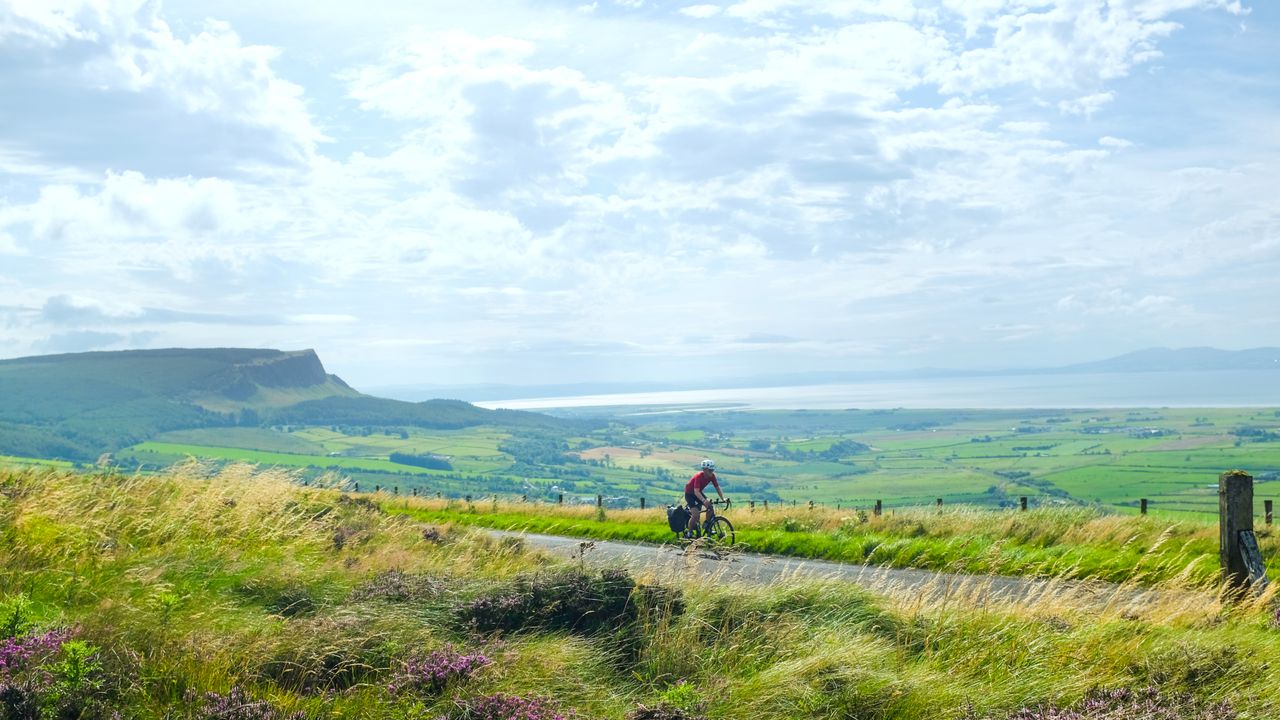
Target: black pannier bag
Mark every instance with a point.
(677, 518)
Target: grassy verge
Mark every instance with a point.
(1062, 543)
(203, 594)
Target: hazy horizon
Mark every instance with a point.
(532, 192)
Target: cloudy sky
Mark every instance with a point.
(535, 191)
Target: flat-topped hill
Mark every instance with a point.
(77, 406)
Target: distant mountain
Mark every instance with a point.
(80, 405)
(1149, 360)
(1184, 359)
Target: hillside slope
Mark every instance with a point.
(77, 406)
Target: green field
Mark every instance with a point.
(848, 458)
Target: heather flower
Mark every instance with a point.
(17, 654)
(238, 705)
(1126, 704)
(433, 673)
(398, 586)
(510, 707)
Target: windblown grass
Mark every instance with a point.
(1073, 543)
(241, 584)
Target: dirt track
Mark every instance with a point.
(669, 562)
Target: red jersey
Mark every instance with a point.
(701, 481)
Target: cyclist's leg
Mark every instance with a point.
(691, 501)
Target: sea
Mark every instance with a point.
(1205, 388)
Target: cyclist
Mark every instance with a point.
(696, 499)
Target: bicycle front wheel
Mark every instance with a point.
(720, 530)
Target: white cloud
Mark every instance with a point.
(9, 245)
(1117, 301)
(701, 11)
(128, 47)
(1086, 105)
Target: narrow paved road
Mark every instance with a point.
(669, 562)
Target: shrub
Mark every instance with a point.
(433, 673)
(678, 702)
(50, 675)
(1127, 704)
(235, 705)
(397, 586)
(576, 601)
(19, 700)
(19, 653)
(509, 707)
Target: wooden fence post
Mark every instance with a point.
(415, 492)
(641, 503)
(357, 487)
(939, 502)
(468, 498)
(1142, 506)
(599, 501)
(752, 504)
(439, 495)
(1022, 503)
(766, 504)
(1266, 504)
(879, 508)
(1238, 547)
(395, 490)
(377, 488)
(810, 504)
(560, 500)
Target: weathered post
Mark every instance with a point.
(1238, 547)
(766, 504)
(357, 487)
(599, 501)
(752, 505)
(305, 482)
(939, 502)
(810, 504)
(642, 503)
(395, 490)
(879, 508)
(1142, 506)
(560, 500)
(377, 488)
(1022, 503)
(524, 498)
(468, 498)
(415, 492)
(1266, 505)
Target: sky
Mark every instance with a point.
(534, 192)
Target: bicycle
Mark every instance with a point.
(719, 529)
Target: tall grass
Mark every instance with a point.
(1077, 543)
(240, 584)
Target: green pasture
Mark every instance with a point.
(11, 461)
(248, 438)
(1082, 457)
(273, 459)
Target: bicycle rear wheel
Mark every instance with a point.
(720, 530)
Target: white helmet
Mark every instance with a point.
(709, 465)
